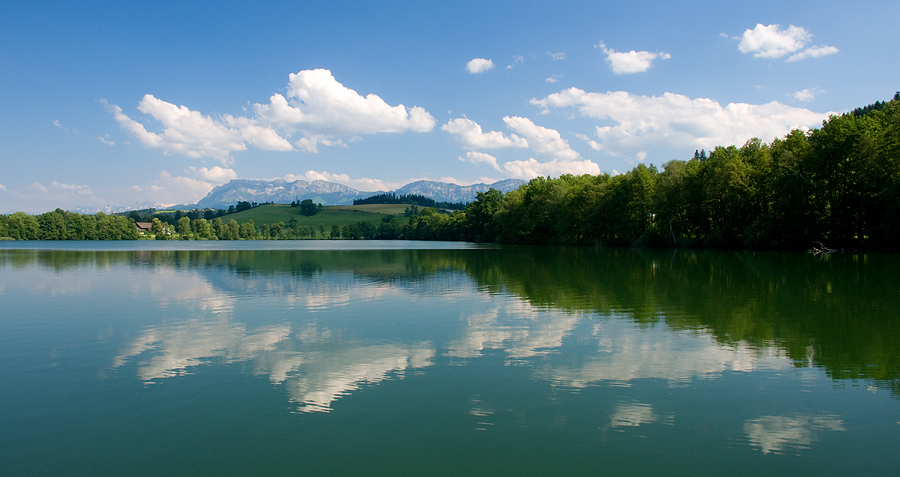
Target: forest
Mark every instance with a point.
(835, 187)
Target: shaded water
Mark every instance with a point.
(394, 358)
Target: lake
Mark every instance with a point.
(393, 358)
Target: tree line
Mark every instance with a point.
(64, 225)
(218, 229)
(411, 199)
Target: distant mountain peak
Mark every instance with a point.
(281, 191)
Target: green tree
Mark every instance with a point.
(202, 229)
(480, 216)
(247, 230)
(308, 208)
(184, 228)
(21, 226)
(52, 225)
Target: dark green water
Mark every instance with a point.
(451, 361)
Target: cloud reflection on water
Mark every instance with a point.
(776, 433)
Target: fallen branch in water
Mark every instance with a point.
(820, 248)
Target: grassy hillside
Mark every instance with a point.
(339, 215)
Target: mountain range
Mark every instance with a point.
(280, 191)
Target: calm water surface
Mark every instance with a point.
(409, 358)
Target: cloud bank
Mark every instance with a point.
(771, 41)
(640, 123)
(542, 141)
(316, 109)
(628, 62)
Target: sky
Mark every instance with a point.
(132, 104)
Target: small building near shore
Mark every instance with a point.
(143, 227)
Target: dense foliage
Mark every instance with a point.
(63, 225)
(838, 185)
(411, 199)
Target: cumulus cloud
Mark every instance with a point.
(470, 135)
(676, 121)
(316, 107)
(771, 41)
(627, 62)
(808, 94)
(184, 131)
(476, 157)
(215, 175)
(532, 168)
(813, 52)
(479, 65)
(544, 141)
(552, 79)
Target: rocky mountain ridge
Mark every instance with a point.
(280, 191)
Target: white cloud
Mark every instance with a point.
(542, 140)
(557, 56)
(471, 136)
(78, 189)
(626, 62)
(106, 140)
(813, 52)
(590, 142)
(532, 168)
(676, 121)
(479, 157)
(184, 131)
(770, 41)
(552, 79)
(214, 175)
(317, 104)
(310, 143)
(479, 65)
(2, 187)
(258, 134)
(39, 187)
(808, 94)
(317, 107)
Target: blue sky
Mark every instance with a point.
(133, 103)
